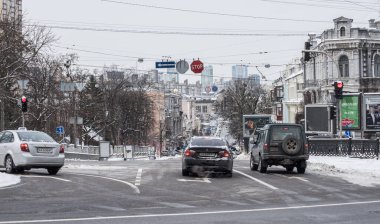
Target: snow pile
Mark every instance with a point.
(7, 179)
(242, 156)
(364, 172)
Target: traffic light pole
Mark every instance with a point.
(23, 119)
(340, 117)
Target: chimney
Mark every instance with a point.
(372, 23)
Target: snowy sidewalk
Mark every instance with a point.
(7, 180)
(364, 172)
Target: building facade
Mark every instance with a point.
(292, 102)
(239, 72)
(11, 10)
(344, 53)
(207, 76)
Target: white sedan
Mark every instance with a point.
(22, 150)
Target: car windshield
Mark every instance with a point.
(281, 132)
(207, 142)
(35, 137)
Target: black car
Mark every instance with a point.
(207, 154)
(279, 145)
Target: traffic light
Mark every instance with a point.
(338, 89)
(332, 112)
(24, 104)
(306, 56)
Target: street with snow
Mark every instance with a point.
(333, 189)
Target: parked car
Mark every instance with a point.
(279, 145)
(22, 150)
(164, 153)
(207, 154)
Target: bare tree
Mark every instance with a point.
(19, 47)
(239, 98)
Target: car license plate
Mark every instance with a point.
(207, 154)
(44, 150)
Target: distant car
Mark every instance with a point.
(22, 150)
(279, 145)
(164, 153)
(207, 154)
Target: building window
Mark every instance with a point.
(343, 66)
(377, 65)
(204, 109)
(342, 32)
(198, 109)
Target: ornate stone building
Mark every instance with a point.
(344, 53)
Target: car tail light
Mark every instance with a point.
(24, 147)
(62, 149)
(224, 153)
(189, 153)
(306, 147)
(265, 147)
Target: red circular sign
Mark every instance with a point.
(197, 66)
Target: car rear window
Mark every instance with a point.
(35, 137)
(281, 132)
(207, 142)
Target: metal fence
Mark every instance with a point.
(117, 151)
(362, 148)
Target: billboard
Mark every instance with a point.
(253, 122)
(371, 112)
(317, 118)
(350, 108)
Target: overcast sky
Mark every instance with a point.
(279, 27)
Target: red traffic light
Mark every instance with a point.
(339, 85)
(23, 99)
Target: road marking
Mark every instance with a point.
(115, 209)
(298, 178)
(200, 180)
(176, 205)
(193, 213)
(257, 180)
(136, 189)
(56, 178)
(138, 177)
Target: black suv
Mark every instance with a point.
(279, 145)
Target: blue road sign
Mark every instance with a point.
(214, 88)
(165, 64)
(59, 130)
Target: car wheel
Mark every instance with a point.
(289, 169)
(9, 165)
(262, 165)
(301, 167)
(291, 145)
(229, 173)
(185, 172)
(252, 164)
(53, 170)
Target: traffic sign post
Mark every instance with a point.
(165, 64)
(197, 66)
(59, 130)
(182, 66)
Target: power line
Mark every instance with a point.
(354, 3)
(171, 32)
(332, 5)
(215, 13)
